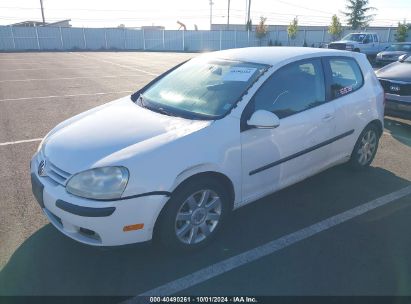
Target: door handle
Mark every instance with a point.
(328, 117)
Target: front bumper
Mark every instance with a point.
(397, 105)
(98, 223)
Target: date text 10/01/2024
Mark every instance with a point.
(203, 300)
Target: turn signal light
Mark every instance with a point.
(133, 227)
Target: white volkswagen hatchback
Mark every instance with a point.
(211, 135)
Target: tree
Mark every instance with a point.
(335, 28)
(356, 13)
(402, 32)
(292, 28)
(261, 29)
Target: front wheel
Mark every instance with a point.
(194, 215)
(365, 148)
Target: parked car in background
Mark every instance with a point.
(211, 135)
(393, 52)
(395, 78)
(367, 43)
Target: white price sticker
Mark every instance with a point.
(239, 74)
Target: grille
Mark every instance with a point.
(337, 46)
(53, 172)
(397, 88)
(56, 174)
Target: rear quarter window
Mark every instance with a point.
(346, 77)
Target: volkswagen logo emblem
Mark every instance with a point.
(395, 88)
(42, 168)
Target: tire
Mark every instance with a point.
(193, 216)
(357, 50)
(365, 148)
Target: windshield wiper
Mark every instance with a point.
(162, 111)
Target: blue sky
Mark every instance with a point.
(134, 13)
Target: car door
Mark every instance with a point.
(368, 45)
(344, 82)
(274, 158)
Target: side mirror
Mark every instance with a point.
(402, 57)
(263, 119)
(365, 41)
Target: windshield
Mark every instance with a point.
(202, 89)
(399, 47)
(354, 37)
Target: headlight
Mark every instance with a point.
(99, 183)
(349, 47)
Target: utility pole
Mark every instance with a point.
(228, 15)
(211, 13)
(42, 12)
(249, 7)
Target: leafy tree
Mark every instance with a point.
(357, 13)
(402, 32)
(261, 29)
(335, 28)
(292, 28)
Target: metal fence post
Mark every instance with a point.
(248, 37)
(277, 34)
(323, 39)
(12, 37)
(164, 42)
(144, 40)
(84, 38)
(125, 38)
(37, 36)
(221, 37)
(389, 35)
(184, 42)
(61, 38)
(235, 39)
(105, 38)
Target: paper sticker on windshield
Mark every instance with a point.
(239, 74)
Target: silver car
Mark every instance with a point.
(393, 52)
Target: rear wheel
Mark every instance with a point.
(194, 215)
(365, 148)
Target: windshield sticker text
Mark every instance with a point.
(239, 74)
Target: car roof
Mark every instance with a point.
(274, 55)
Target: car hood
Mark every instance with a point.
(85, 141)
(399, 71)
(393, 53)
(343, 41)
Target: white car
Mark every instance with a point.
(211, 135)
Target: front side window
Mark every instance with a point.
(368, 39)
(346, 76)
(292, 89)
(201, 88)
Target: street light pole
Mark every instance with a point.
(42, 12)
(211, 13)
(249, 7)
(228, 16)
